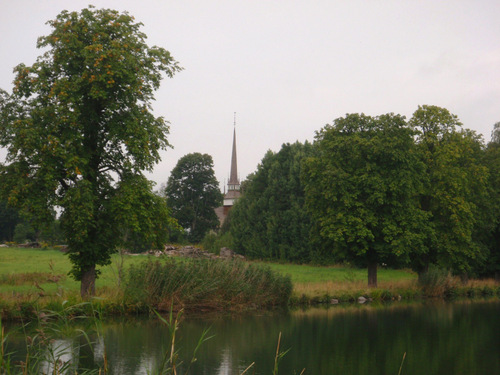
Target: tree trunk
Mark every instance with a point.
(372, 274)
(87, 286)
(422, 271)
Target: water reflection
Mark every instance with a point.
(61, 357)
(438, 338)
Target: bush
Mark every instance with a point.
(24, 232)
(210, 284)
(213, 242)
(436, 282)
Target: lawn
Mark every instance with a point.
(45, 271)
(302, 274)
(41, 276)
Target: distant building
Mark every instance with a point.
(233, 185)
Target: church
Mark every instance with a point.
(233, 185)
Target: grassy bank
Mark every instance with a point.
(32, 279)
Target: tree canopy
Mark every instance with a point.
(193, 193)
(79, 131)
(455, 187)
(361, 186)
(269, 221)
(491, 231)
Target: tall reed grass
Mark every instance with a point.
(205, 284)
(49, 344)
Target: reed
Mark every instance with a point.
(46, 348)
(205, 284)
(47, 352)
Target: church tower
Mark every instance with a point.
(233, 185)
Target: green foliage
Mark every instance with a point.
(205, 284)
(361, 186)
(193, 193)
(435, 281)
(24, 232)
(144, 218)
(454, 193)
(9, 219)
(78, 127)
(491, 229)
(213, 242)
(269, 221)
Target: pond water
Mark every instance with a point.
(433, 338)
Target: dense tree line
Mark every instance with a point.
(269, 221)
(373, 190)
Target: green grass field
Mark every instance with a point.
(19, 269)
(41, 274)
(28, 270)
(301, 274)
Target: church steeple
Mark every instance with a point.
(233, 185)
(234, 182)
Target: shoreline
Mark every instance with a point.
(26, 308)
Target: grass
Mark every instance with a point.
(51, 264)
(29, 276)
(47, 269)
(303, 274)
(205, 284)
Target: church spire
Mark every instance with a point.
(233, 177)
(233, 185)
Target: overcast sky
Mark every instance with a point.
(289, 67)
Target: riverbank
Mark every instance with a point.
(34, 280)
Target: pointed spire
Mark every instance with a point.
(233, 177)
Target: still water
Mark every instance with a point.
(434, 338)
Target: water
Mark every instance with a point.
(438, 338)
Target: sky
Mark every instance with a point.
(289, 67)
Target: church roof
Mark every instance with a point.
(232, 194)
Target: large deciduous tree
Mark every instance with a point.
(361, 187)
(454, 190)
(193, 193)
(270, 221)
(79, 131)
(491, 266)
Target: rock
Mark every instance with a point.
(362, 299)
(334, 301)
(226, 253)
(32, 245)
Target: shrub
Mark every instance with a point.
(213, 242)
(436, 282)
(24, 232)
(205, 284)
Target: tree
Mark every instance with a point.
(495, 134)
(455, 181)
(193, 194)
(492, 160)
(270, 221)
(9, 219)
(361, 187)
(79, 129)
